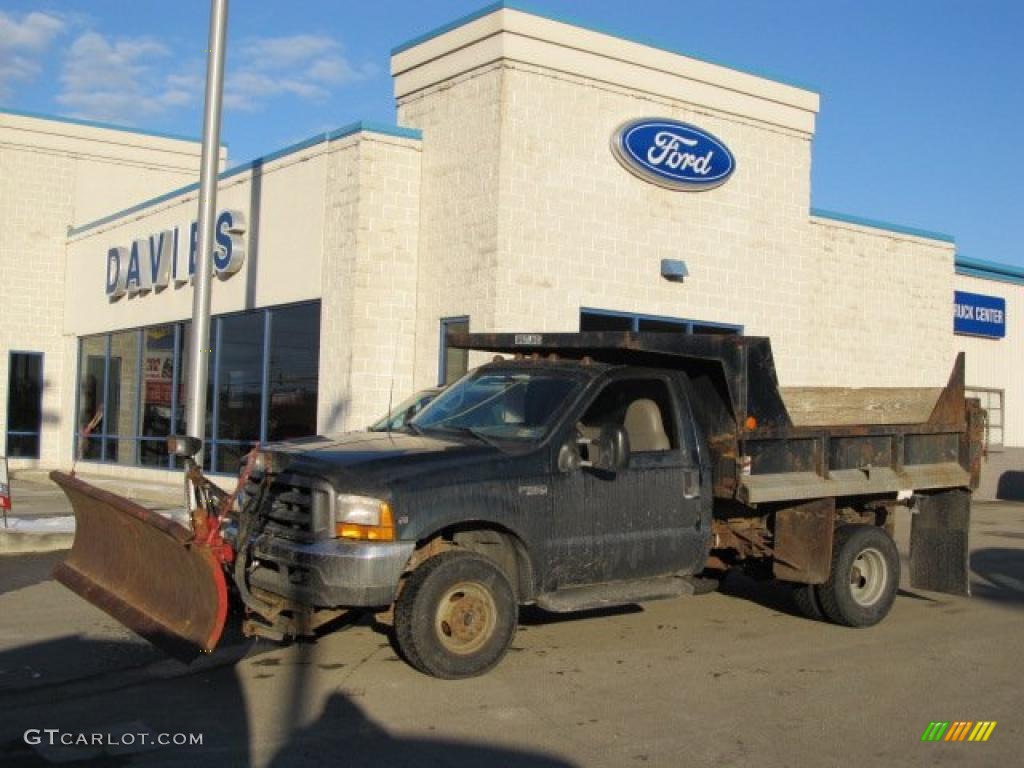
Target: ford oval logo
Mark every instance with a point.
(672, 154)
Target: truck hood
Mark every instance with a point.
(373, 461)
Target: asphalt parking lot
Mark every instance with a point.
(731, 678)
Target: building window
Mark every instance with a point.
(453, 363)
(262, 385)
(610, 320)
(992, 402)
(24, 404)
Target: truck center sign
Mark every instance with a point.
(975, 314)
(154, 262)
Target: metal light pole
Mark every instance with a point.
(198, 353)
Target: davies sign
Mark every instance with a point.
(161, 259)
(672, 154)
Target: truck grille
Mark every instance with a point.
(299, 509)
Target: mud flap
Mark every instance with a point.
(143, 570)
(938, 542)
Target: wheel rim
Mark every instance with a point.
(868, 577)
(466, 617)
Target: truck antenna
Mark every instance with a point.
(391, 390)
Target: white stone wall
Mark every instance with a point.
(371, 234)
(458, 241)
(880, 310)
(528, 217)
(999, 363)
(54, 174)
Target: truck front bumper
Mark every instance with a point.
(329, 573)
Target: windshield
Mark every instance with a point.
(518, 405)
(404, 411)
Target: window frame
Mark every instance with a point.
(971, 391)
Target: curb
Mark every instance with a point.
(24, 542)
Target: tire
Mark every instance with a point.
(806, 598)
(451, 591)
(865, 575)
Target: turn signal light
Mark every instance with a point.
(383, 531)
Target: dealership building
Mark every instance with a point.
(541, 177)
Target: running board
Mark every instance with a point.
(617, 593)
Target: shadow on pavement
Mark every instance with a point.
(1011, 486)
(129, 688)
(768, 594)
(1001, 574)
(20, 571)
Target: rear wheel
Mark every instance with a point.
(456, 615)
(806, 598)
(865, 574)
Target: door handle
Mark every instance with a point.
(691, 484)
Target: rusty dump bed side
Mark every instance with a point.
(905, 440)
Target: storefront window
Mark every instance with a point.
(294, 363)
(122, 394)
(135, 384)
(239, 380)
(24, 404)
(156, 394)
(92, 384)
(609, 320)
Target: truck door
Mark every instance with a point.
(641, 521)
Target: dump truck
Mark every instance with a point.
(574, 471)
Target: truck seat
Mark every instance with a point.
(644, 426)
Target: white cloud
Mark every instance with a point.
(121, 79)
(127, 80)
(23, 43)
(303, 66)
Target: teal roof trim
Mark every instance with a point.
(989, 270)
(876, 224)
(361, 126)
(533, 10)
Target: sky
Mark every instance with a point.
(921, 100)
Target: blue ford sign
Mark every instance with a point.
(672, 154)
(976, 314)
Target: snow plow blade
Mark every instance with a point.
(143, 570)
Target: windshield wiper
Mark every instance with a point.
(474, 431)
(416, 429)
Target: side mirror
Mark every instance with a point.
(184, 446)
(569, 459)
(611, 450)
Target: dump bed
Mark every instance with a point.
(768, 444)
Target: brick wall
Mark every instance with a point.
(527, 217)
(371, 234)
(35, 207)
(52, 174)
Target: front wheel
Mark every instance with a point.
(456, 615)
(865, 575)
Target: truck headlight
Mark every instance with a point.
(363, 518)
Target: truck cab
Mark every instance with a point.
(584, 483)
